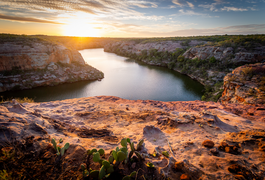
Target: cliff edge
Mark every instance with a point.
(245, 85)
(27, 62)
(207, 61)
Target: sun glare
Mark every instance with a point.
(80, 28)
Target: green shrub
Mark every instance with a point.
(4, 175)
(212, 60)
(60, 151)
(119, 155)
(185, 43)
(19, 100)
(181, 59)
(171, 65)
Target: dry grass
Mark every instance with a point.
(20, 100)
(247, 71)
(232, 78)
(262, 84)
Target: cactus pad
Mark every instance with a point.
(96, 157)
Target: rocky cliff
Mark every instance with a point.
(35, 55)
(30, 62)
(133, 47)
(204, 61)
(242, 56)
(245, 85)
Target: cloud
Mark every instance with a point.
(139, 17)
(178, 2)
(26, 19)
(190, 5)
(231, 30)
(191, 13)
(172, 7)
(252, 2)
(143, 4)
(182, 3)
(57, 9)
(56, 5)
(233, 9)
(253, 9)
(212, 6)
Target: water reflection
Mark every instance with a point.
(123, 78)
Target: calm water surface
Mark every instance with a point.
(123, 78)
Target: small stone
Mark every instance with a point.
(214, 151)
(179, 165)
(47, 155)
(245, 152)
(217, 128)
(239, 177)
(234, 168)
(262, 148)
(133, 165)
(223, 144)
(182, 150)
(208, 143)
(184, 177)
(7, 149)
(227, 149)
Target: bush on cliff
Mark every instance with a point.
(171, 65)
(212, 60)
(181, 59)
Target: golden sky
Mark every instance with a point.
(132, 18)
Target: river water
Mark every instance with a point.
(123, 78)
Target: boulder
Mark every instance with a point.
(208, 143)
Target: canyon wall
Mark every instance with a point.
(35, 55)
(206, 62)
(31, 63)
(245, 85)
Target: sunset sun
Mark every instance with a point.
(78, 27)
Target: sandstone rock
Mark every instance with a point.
(56, 75)
(239, 177)
(208, 143)
(133, 47)
(245, 85)
(52, 66)
(232, 149)
(88, 112)
(15, 57)
(47, 155)
(214, 151)
(184, 177)
(38, 55)
(75, 152)
(262, 148)
(179, 165)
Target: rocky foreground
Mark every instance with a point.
(204, 140)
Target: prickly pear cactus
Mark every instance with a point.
(101, 152)
(96, 157)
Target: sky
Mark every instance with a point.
(132, 18)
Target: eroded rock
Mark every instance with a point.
(208, 143)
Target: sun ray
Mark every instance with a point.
(79, 26)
